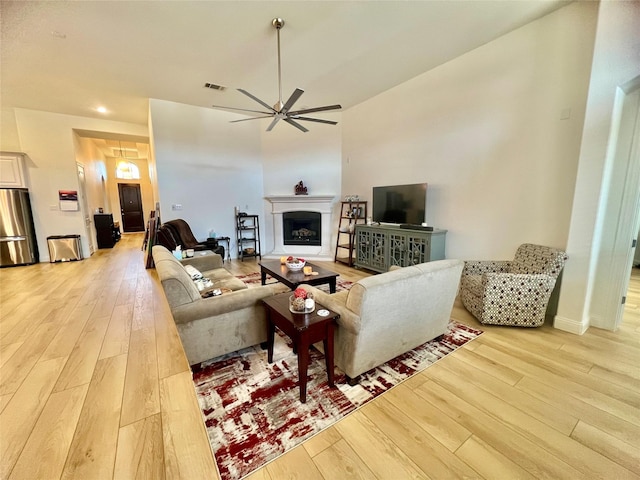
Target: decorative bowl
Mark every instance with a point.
(304, 308)
(295, 266)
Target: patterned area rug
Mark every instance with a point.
(253, 279)
(252, 409)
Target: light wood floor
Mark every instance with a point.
(94, 385)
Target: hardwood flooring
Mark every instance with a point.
(94, 384)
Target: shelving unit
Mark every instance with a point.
(351, 213)
(248, 236)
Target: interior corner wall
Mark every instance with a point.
(290, 156)
(48, 141)
(615, 62)
(9, 139)
(206, 166)
(153, 170)
(495, 133)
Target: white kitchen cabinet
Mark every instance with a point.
(12, 173)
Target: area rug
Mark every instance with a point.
(252, 409)
(253, 279)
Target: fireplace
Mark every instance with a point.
(302, 228)
(322, 248)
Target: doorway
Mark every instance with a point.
(131, 207)
(620, 210)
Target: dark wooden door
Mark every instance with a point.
(131, 207)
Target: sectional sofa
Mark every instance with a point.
(210, 327)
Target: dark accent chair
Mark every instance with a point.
(177, 232)
(183, 235)
(165, 238)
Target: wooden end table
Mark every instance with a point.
(304, 329)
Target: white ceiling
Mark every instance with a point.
(73, 56)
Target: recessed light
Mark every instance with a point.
(101, 109)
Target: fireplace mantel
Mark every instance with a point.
(285, 203)
(292, 203)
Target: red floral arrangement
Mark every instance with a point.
(300, 293)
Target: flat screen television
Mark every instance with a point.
(399, 204)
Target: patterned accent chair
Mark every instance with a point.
(514, 292)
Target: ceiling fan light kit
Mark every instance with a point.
(282, 110)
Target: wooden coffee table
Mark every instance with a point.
(294, 278)
(304, 329)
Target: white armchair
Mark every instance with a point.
(514, 292)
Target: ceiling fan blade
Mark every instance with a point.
(276, 119)
(316, 109)
(256, 99)
(292, 99)
(250, 118)
(295, 124)
(308, 119)
(241, 109)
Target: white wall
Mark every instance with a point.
(207, 165)
(94, 163)
(486, 132)
(616, 61)
(48, 140)
(210, 166)
(290, 156)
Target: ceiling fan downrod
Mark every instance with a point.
(278, 23)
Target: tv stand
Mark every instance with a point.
(379, 247)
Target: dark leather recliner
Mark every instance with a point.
(165, 237)
(177, 232)
(183, 235)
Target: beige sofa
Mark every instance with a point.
(385, 315)
(210, 327)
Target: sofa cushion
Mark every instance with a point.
(193, 272)
(222, 278)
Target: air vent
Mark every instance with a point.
(213, 86)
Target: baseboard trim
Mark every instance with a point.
(569, 325)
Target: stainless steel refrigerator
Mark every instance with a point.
(18, 245)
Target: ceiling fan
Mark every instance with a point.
(282, 111)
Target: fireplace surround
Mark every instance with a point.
(318, 204)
